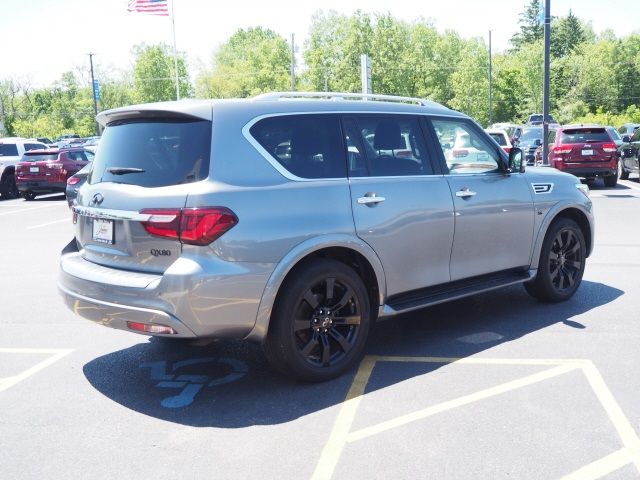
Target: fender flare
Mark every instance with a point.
(551, 215)
(298, 253)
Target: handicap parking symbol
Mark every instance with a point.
(191, 385)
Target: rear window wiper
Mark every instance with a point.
(124, 170)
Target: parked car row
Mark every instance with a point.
(587, 151)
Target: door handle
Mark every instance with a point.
(465, 193)
(370, 199)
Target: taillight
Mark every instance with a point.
(72, 180)
(609, 147)
(193, 226)
(507, 149)
(562, 150)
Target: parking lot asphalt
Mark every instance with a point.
(492, 386)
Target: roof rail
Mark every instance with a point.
(342, 96)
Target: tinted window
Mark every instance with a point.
(552, 136)
(39, 158)
(614, 134)
(584, 135)
(34, 146)
(8, 150)
(636, 136)
(391, 146)
(465, 150)
(499, 138)
(168, 152)
(308, 146)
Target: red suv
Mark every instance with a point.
(46, 171)
(585, 151)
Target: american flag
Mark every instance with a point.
(149, 7)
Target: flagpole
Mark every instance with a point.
(175, 51)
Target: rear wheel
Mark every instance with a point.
(29, 196)
(320, 322)
(8, 187)
(612, 180)
(562, 262)
(622, 173)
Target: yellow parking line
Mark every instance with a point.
(56, 354)
(341, 434)
(458, 402)
(602, 467)
(333, 448)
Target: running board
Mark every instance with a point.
(425, 297)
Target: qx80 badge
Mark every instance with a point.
(160, 253)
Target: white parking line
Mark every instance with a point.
(22, 210)
(49, 223)
(56, 354)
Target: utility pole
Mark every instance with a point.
(490, 85)
(545, 101)
(293, 64)
(93, 87)
(365, 73)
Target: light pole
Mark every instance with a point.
(545, 91)
(93, 87)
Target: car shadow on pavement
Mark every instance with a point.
(228, 384)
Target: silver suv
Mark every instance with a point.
(296, 220)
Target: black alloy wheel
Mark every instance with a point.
(9, 188)
(320, 322)
(562, 262)
(29, 196)
(622, 172)
(327, 322)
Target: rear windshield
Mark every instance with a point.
(8, 150)
(584, 135)
(535, 118)
(153, 153)
(39, 158)
(499, 138)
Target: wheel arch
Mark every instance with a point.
(578, 214)
(349, 250)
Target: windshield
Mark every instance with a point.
(153, 153)
(40, 157)
(585, 135)
(499, 138)
(530, 135)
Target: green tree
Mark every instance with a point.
(252, 61)
(531, 30)
(154, 77)
(567, 36)
(470, 82)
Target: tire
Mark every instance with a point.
(612, 180)
(29, 196)
(320, 322)
(8, 187)
(562, 262)
(622, 173)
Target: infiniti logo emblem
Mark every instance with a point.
(97, 199)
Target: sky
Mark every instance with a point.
(41, 39)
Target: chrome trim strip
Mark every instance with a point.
(109, 214)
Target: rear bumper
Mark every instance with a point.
(197, 296)
(40, 186)
(584, 171)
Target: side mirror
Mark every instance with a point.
(626, 138)
(516, 160)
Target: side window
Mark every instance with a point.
(552, 136)
(88, 155)
(308, 146)
(636, 136)
(465, 150)
(392, 144)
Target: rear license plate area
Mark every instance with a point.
(103, 231)
(587, 151)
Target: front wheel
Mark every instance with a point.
(320, 322)
(562, 262)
